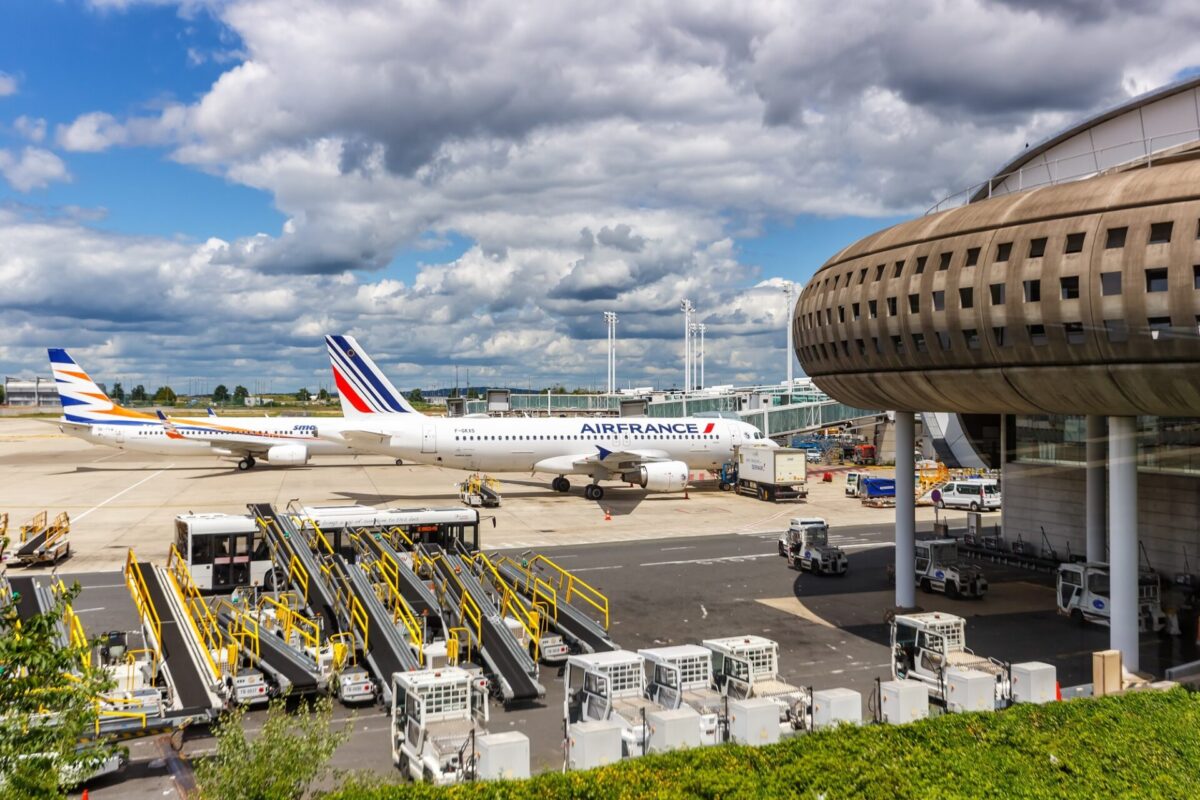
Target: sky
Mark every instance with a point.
(194, 192)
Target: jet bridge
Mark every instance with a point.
(506, 659)
(556, 591)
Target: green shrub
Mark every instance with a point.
(1144, 745)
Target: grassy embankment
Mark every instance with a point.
(1143, 745)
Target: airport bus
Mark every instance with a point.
(225, 551)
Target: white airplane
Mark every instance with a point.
(89, 414)
(654, 453)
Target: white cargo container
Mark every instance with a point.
(772, 473)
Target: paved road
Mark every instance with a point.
(681, 590)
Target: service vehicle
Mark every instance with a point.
(611, 686)
(748, 666)
(938, 569)
(1083, 595)
(852, 481)
(436, 717)
(797, 522)
(772, 473)
(877, 491)
(681, 675)
(809, 549)
(976, 494)
(864, 454)
(926, 646)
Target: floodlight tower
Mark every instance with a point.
(789, 289)
(701, 327)
(687, 308)
(610, 318)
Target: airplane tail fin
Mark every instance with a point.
(362, 387)
(82, 400)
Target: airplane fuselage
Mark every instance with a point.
(547, 445)
(201, 436)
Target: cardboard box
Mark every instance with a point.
(1106, 672)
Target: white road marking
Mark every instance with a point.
(123, 491)
(665, 549)
(703, 612)
(596, 569)
(710, 560)
(86, 610)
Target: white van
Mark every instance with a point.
(977, 494)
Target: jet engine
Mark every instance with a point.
(659, 476)
(288, 455)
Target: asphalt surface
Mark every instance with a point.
(831, 631)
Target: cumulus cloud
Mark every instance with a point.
(8, 84)
(32, 128)
(595, 156)
(32, 168)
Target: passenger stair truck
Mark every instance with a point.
(439, 734)
(747, 667)
(772, 473)
(1083, 595)
(465, 600)
(43, 543)
(938, 569)
(808, 548)
(611, 687)
(577, 610)
(309, 579)
(681, 677)
(931, 648)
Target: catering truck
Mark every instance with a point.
(772, 473)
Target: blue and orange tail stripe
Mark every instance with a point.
(84, 401)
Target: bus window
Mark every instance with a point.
(181, 538)
(262, 551)
(202, 550)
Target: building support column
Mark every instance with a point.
(1095, 455)
(1123, 545)
(906, 510)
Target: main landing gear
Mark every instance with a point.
(593, 492)
(246, 463)
(560, 484)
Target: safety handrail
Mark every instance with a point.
(343, 650)
(542, 593)
(34, 526)
(243, 628)
(318, 535)
(59, 528)
(291, 621)
(455, 638)
(574, 586)
(468, 609)
(204, 624)
(103, 714)
(136, 582)
(387, 570)
(529, 618)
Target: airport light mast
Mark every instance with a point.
(610, 318)
(701, 327)
(687, 308)
(789, 289)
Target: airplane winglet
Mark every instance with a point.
(168, 426)
(211, 413)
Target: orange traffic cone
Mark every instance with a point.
(607, 515)
(1057, 690)
(84, 796)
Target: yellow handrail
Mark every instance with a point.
(574, 586)
(104, 714)
(455, 638)
(292, 621)
(390, 581)
(539, 590)
(141, 599)
(468, 609)
(34, 526)
(200, 616)
(510, 605)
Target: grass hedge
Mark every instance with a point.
(1143, 745)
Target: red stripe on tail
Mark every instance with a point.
(345, 391)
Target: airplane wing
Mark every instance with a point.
(604, 460)
(363, 438)
(228, 442)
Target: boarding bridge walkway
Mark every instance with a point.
(572, 623)
(167, 626)
(295, 556)
(385, 648)
(514, 669)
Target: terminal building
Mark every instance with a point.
(35, 392)
(1056, 311)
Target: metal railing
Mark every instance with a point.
(510, 606)
(571, 586)
(136, 582)
(203, 622)
(1056, 171)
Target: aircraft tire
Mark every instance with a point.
(245, 464)
(593, 492)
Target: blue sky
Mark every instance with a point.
(474, 184)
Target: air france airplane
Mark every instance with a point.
(89, 414)
(654, 453)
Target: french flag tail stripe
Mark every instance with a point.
(347, 392)
(365, 368)
(341, 366)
